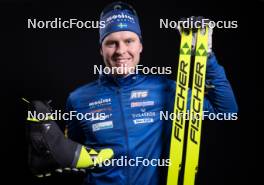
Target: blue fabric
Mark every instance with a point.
(147, 139)
(119, 20)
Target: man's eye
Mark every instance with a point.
(110, 44)
(129, 41)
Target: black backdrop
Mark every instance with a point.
(49, 64)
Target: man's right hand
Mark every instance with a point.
(49, 149)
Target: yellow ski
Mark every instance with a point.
(196, 108)
(180, 107)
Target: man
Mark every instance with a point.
(131, 104)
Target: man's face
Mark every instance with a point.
(121, 50)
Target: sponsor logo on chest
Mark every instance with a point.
(143, 114)
(143, 120)
(139, 94)
(101, 102)
(142, 104)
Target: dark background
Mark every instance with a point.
(49, 64)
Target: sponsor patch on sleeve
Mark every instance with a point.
(102, 125)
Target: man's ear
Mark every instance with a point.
(141, 48)
(101, 51)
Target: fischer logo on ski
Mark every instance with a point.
(196, 108)
(180, 108)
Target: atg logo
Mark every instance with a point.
(139, 94)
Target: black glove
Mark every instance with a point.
(49, 149)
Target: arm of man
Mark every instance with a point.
(220, 97)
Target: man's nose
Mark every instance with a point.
(121, 49)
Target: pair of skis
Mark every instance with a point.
(180, 108)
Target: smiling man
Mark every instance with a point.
(121, 52)
(131, 104)
(120, 39)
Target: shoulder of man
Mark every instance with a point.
(162, 80)
(87, 89)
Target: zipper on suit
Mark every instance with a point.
(125, 128)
